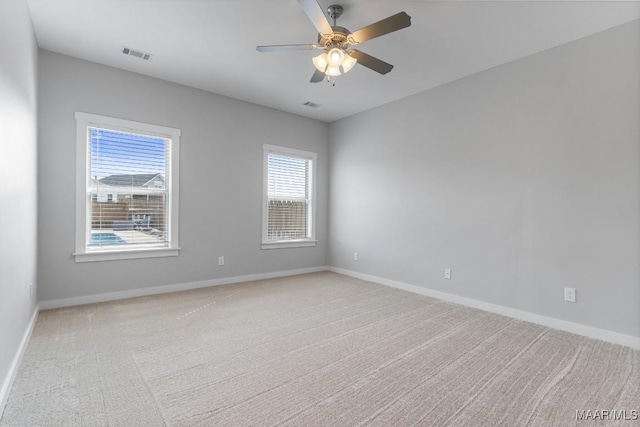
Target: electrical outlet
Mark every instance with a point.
(447, 273)
(220, 260)
(356, 256)
(570, 294)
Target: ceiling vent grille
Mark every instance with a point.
(136, 53)
(311, 104)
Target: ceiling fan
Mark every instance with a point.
(338, 57)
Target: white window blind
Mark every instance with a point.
(289, 195)
(127, 167)
(128, 202)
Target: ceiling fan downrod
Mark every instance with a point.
(334, 11)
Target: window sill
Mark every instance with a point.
(113, 255)
(289, 244)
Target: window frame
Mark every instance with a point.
(291, 152)
(83, 253)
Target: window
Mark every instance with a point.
(127, 189)
(288, 198)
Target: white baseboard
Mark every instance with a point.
(13, 369)
(563, 325)
(576, 328)
(133, 293)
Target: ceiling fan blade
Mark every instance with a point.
(317, 77)
(388, 25)
(371, 62)
(285, 47)
(316, 15)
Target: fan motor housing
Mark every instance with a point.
(339, 38)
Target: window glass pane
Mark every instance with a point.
(127, 188)
(288, 197)
(287, 177)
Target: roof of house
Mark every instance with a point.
(137, 180)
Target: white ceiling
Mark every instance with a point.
(210, 44)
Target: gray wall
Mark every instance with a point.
(220, 178)
(18, 162)
(522, 179)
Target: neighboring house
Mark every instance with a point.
(116, 187)
(128, 201)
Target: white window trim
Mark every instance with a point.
(82, 253)
(299, 243)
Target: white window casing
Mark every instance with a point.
(120, 212)
(289, 208)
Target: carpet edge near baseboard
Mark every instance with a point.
(551, 322)
(7, 382)
(156, 290)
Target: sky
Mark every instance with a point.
(115, 153)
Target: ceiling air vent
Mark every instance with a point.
(136, 53)
(311, 104)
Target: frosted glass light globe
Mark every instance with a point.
(348, 63)
(335, 57)
(333, 71)
(321, 62)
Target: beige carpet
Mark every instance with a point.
(318, 349)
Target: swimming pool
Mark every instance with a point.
(102, 239)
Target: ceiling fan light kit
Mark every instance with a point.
(331, 62)
(336, 42)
